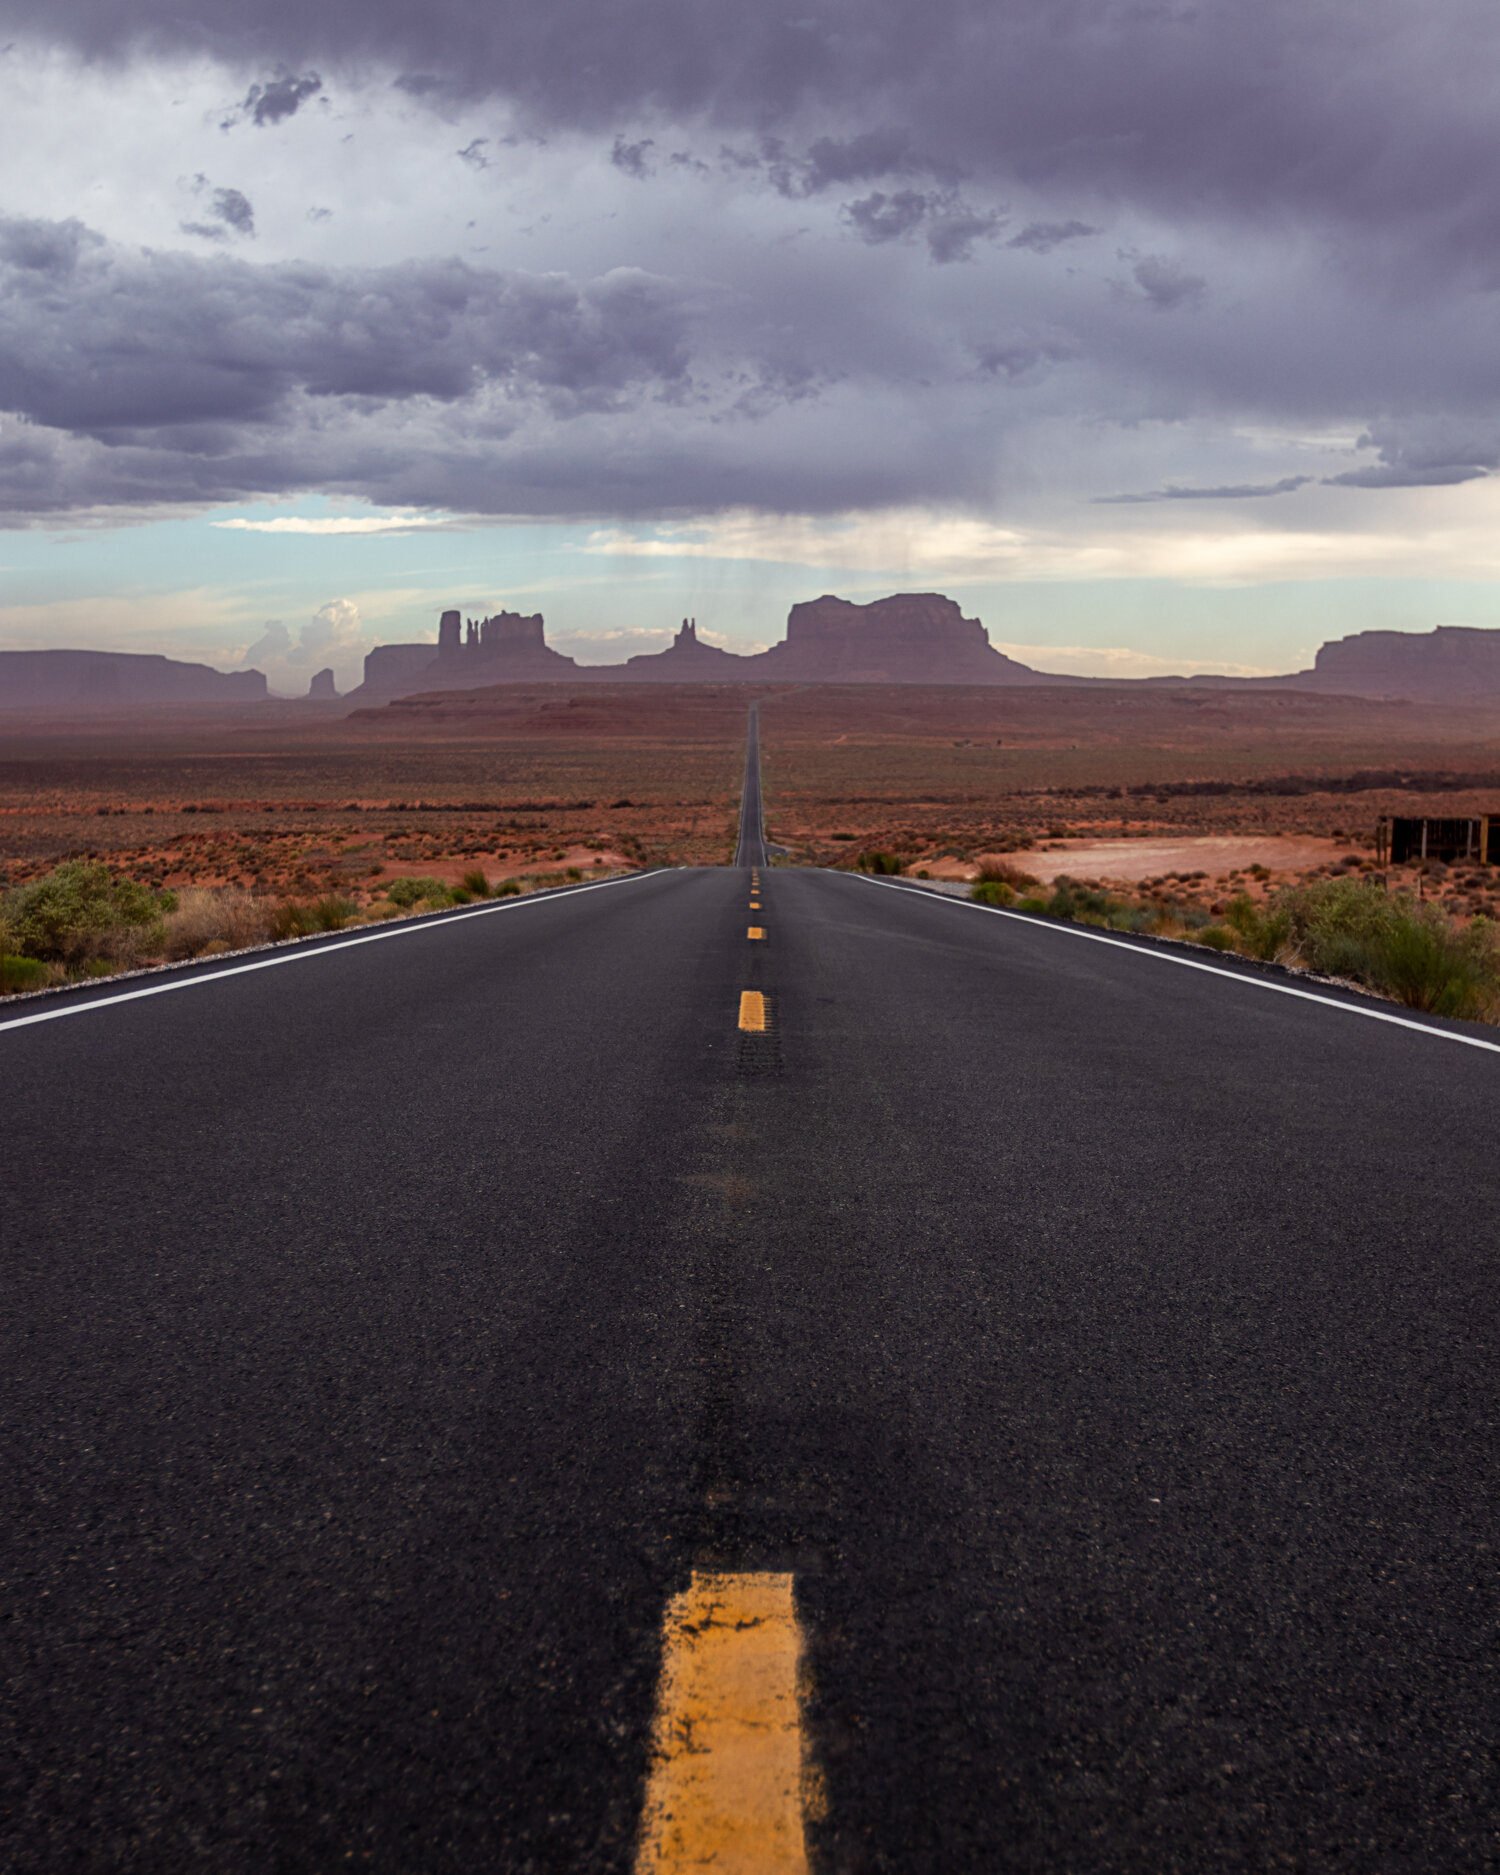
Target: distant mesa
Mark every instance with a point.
(322, 689)
(1451, 664)
(910, 638)
(102, 680)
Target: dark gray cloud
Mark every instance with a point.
(1440, 475)
(633, 157)
(949, 226)
(230, 213)
(1230, 491)
(279, 97)
(1167, 284)
(1042, 236)
(136, 342)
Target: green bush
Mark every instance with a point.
(1352, 928)
(1217, 937)
(508, 888)
(81, 911)
(1263, 932)
(884, 863)
(993, 892)
(411, 892)
(475, 884)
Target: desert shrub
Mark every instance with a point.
(324, 914)
(1079, 904)
(331, 913)
(1350, 928)
(574, 874)
(410, 892)
(475, 884)
(80, 911)
(203, 921)
(458, 896)
(1001, 872)
(508, 888)
(1263, 932)
(992, 892)
(884, 863)
(24, 973)
(1217, 937)
(1035, 904)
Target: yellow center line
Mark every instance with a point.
(754, 1014)
(756, 931)
(728, 1772)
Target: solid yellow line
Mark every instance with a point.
(756, 931)
(753, 1011)
(727, 1776)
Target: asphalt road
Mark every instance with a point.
(1109, 1348)
(751, 847)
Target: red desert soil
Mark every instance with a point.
(526, 779)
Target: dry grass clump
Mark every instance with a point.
(211, 922)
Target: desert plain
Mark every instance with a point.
(539, 783)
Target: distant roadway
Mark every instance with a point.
(1106, 1350)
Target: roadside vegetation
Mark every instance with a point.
(82, 920)
(1351, 929)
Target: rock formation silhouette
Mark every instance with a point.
(910, 638)
(103, 680)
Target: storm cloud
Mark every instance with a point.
(857, 252)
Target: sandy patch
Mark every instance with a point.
(1131, 861)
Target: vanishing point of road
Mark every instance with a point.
(433, 1356)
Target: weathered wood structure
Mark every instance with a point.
(1407, 841)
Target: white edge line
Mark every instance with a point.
(1187, 963)
(297, 955)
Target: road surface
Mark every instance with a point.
(1107, 1349)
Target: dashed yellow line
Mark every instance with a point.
(754, 1013)
(726, 1790)
(756, 931)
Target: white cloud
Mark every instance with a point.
(336, 524)
(1425, 533)
(334, 636)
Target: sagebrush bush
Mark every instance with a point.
(884, 863)
(992, 892)
(475, 884)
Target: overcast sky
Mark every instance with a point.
(1162, 336)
